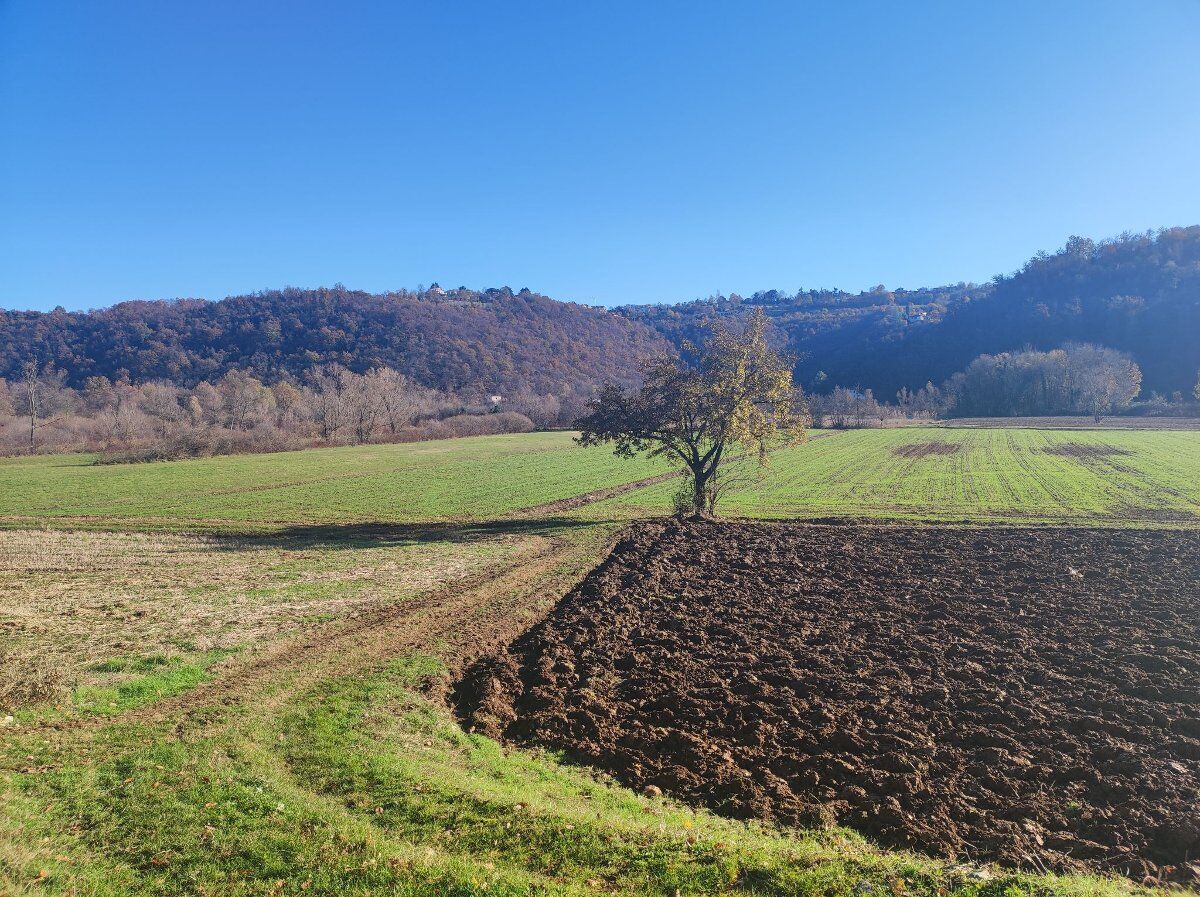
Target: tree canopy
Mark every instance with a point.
(731, 393)
(1074, 379)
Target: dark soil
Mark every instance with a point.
(1030, 696)
(1085, 450)
(925, 449)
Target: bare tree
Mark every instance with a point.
(245, 400)
(841, 406)
(289, 405)
(1102, 378)
(328, 399)
(112, 404)
(41, 396)
(207, 404)
(160, 402)
(6, 399)
(364, 406)
(400, 400)
(543, 410)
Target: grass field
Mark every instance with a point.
(163, 603)
(987, 475)
(478, 479)
(1011, 475)
(224, 674)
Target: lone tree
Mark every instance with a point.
(733, 392)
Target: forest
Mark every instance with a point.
(125, 422)
(460, 340)
(1137, 293)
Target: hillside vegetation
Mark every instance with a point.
(1137, 293)
(456, 341)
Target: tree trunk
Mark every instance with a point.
(33, 416)
(701, 507)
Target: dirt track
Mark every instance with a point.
(1023, 695)
(459, 622)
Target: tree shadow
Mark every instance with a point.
(349, 536)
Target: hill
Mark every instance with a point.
(1138, 293)
(454, 341)
(829, 331)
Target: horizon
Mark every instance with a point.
(627, 157)
(423, 288)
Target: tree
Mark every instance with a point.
(328, 399)
(399, 399)
(6, 399)
(1104, 378)
(1076, 379)
(364, 406)
(110, 403)
(206, 404)
(1196, 388)
(734, 391)
(289, 405)
(40, 396)
(160, 402)
(246, 401)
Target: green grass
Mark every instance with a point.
(145, 680)
(362, 786)
(997, 476)
(455, 479)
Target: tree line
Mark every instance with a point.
(124, 421)
(331, 405)
(1136, 293)
(1075, 379)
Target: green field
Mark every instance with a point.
(477, 479)
(995, 476)
(224, 673)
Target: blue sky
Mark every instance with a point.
(607, 152)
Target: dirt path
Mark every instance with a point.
(459, 622)
(597, 495)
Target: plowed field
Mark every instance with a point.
(1023, 695)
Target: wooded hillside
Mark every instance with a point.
(1136, 293)
(453, 341)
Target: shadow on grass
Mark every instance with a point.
(390, 535)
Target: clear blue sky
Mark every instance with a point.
(603, 152)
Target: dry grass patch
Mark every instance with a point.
(1086, 450)
(926, 449)
(81, 608)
